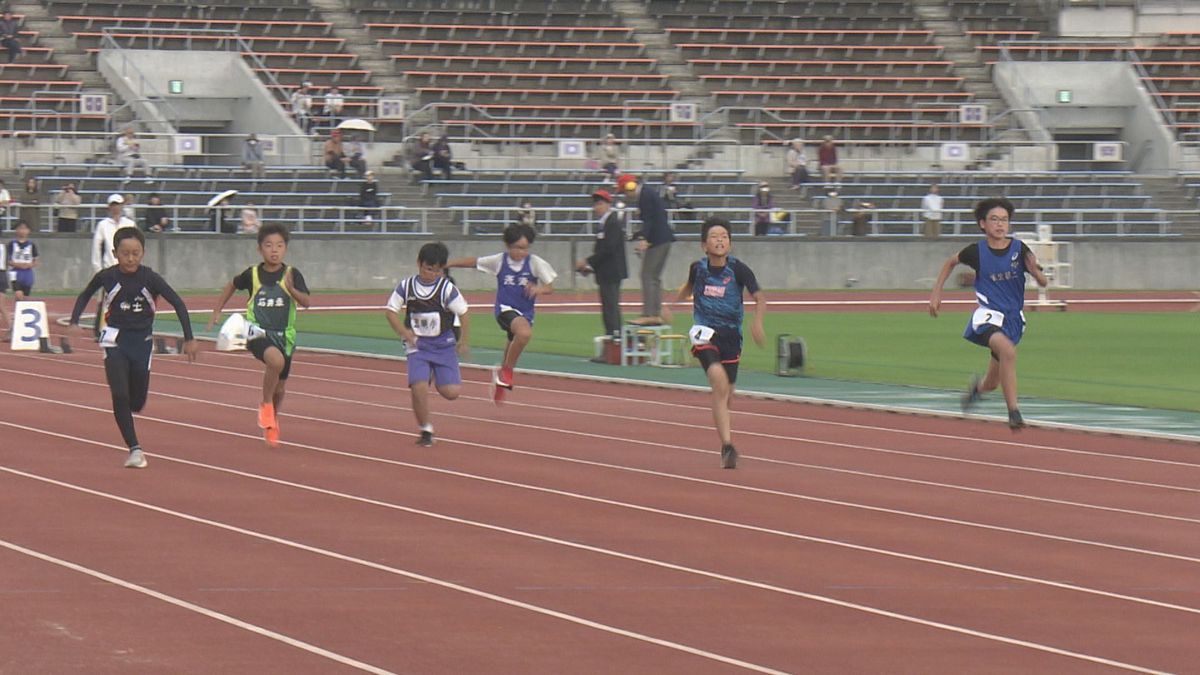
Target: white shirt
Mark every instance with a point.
(102, 242)
(541, 269)
(931, 206)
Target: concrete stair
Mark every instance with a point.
(1168, 193)
(647, 30)
(347, 26)
(80, 66)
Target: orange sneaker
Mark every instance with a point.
(271, 436)
(266, 416)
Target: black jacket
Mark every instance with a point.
(608, 257)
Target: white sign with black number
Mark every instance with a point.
(984, 316)
(700, 335)
(29, 325)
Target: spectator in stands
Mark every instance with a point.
(861, 215)
(103, 255)
(357, 153)
(252, 156)
(129, 155)
(931, 211)
(334, 104)
(527, 216)
(607, 261)
(5, 204)
(442, 156)
(610, 155)
(301, 102)
(797, 164)
(764, 204)
(10, 30)
(827, 158)
(156, 218)
(67, 202)
(130, 209)
(249, 219)
(368, 197)
(654, 243)
(31, 201)
(335, 156)
(420, 156)
(833, 204)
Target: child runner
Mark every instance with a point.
(130, 292)
(716, 283)
(274, 289)
(520, 278)
(430, 303)
(1000, 263)
(22, 256)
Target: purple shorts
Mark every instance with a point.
(440, 363)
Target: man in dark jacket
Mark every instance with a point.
(607, 260)
(10, 29)
(654, 244)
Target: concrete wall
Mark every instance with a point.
(333, 262)
(1151, 18)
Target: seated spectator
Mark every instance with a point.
(827, 158)
(833, 204)
(334, 104)
(249, 219)
(156, 218)
(420, 156)
(610, 156)
(860, 218)
(764, 205)
(357, 158)
(301, 102)
(129, 155)
(335, 157)
(442, 156)
(10, 30)
(527, 216)
(368, 197)
(797, 164)
(252, 156)
(67, 203)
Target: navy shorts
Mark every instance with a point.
(1014, 328)
(725, 348)
(137, 348)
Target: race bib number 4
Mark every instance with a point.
(427, 324)
(700, 335)
(984, 316)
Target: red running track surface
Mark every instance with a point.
(581, 527)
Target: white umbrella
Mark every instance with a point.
(216, 201)
(356, 124)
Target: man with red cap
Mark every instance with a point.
(607, 260)
(654, 243)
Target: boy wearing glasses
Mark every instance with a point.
(1000, 264)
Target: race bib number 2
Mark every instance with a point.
(984, 316)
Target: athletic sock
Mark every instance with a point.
(427, 427)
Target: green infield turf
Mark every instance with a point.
(1141, 359)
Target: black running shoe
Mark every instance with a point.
(729, 456)
(973, 395)
(426, 439)
(1015, 421)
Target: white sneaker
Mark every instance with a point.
(136, 459)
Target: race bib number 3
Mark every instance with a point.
(700, 335)
(427, 324)
(984, 316)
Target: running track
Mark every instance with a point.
(583, 528)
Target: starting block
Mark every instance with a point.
(161, 346)
(790, 356)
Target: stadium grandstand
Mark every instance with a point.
(979, 96)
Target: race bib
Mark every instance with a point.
(426, 324)
(108, 336)
(700, 335)
(984, 316)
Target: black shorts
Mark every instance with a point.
(505, 320)
(3, 281)
(724, 348)
(19, 287)
(259, 348)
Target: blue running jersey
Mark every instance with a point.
(510, 287)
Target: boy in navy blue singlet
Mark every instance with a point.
(716, 284)
(1000, 263)
(130, 290)
(22, 255)
(521, 277)
(430, 302)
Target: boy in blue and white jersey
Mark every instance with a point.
(716, 284)
(430, 303)
(998, 323)
(521, 277)
(22, 255)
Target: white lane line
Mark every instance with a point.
(192, 607)
(722, 577)
(616, 467)
(399, 572)
(801, 465)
